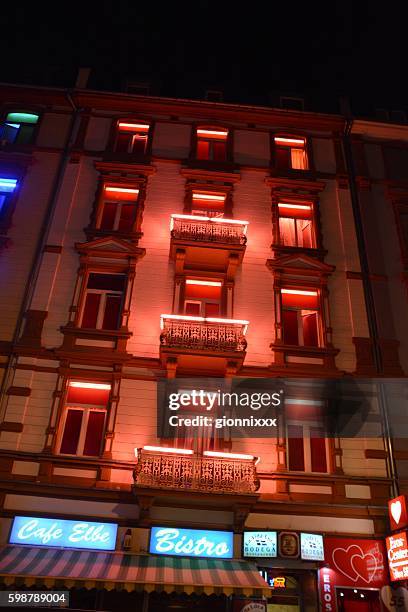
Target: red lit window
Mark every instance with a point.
(208, 204)
(198, 438)
(290, 153)
(300, 317)
(306, 448)
(212, 143)
(117, 211)
(296, 225)
(202, 298)
(132, 137)
(103, 301)
(83, 421)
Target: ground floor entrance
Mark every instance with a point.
(358, 600)
(291, 590)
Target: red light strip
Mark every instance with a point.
(221, 134)
(207, 196)
(297, 206)
(206, 283)
(289, 141)
(85, 385)
(134, 127)
(168, 449)
(121, 190)
(298, 292)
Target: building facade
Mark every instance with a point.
(149, 240)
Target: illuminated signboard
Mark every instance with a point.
(311, 547)
(191, 543)
(63, 533)
(259, 544)
(397, 552)
(397, 510)
(279, 582)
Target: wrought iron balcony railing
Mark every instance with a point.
(195, 473)
(198, 333)
(208, 229)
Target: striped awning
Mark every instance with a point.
(51, 567)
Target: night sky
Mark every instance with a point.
(250, 50)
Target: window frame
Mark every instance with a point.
(313, 221)
(86, 410)
(180, 308)
(28, 110)
(104, 293)
(307, 449)
(298, 309)
(104, 199)
(114, 135)
(306, 148)
(213, 127)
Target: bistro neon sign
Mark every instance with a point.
(63, 533)
(191, 543)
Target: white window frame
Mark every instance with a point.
(118, 204)
(102, 304)
(202, 304)
(86, 410)
(307, 451)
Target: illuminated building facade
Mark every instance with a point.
(146, 238)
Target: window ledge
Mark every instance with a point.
(96, 333)
(94, 234)
(284, 249)
(304, 350)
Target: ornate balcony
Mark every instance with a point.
(198, 333)
(208, 229)
(193, 473)
(212, 242)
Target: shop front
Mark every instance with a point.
(184, 569)
(353, 575)
(288, 561)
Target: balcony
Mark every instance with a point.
(204, 344)
(196, 473)
(207, 242)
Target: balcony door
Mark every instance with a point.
(202, 298)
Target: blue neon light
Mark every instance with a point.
(7, 185)
(192, 543)
(63, 533)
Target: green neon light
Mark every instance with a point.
(22, 118)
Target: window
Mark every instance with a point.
(212, 144)
(208, 204)
(132, 138)
(84, 417)
(290, 153)
(7, 187)
(306, 448)
(198, 438)
(296, 225)
(103, 301)
(300, 318)
(18, 128)
(117, 211)
(202, 298)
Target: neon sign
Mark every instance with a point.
(63, 533)
(397, 551)
(191, 543)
